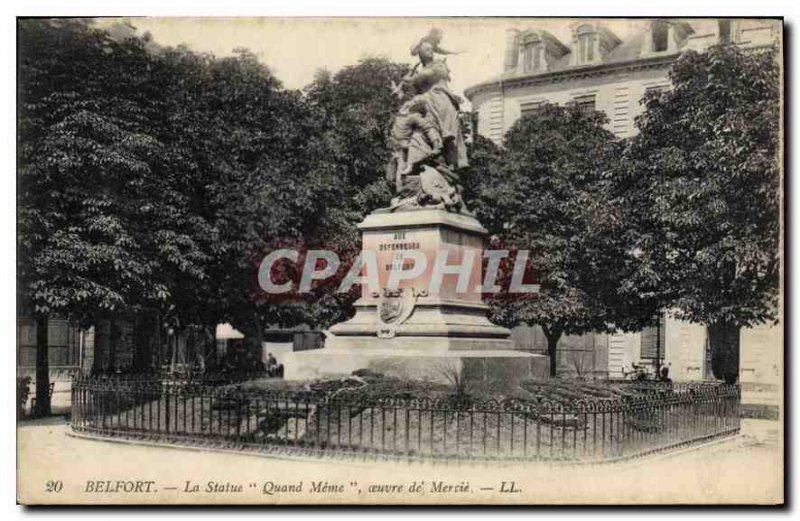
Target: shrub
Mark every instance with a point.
(367, 373)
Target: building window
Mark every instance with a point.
(63, 342)
(527, 49)
(531, 56)
(585, 44)
(725, 31)
(660, 33)
(655, 90)
(530, 107)
(585, 104)
(652, 342)
(649, 344)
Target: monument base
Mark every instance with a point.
(499, 370)
(419, 330)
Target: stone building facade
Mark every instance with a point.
(597, 69)
(600, 71)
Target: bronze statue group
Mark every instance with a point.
(427, 143)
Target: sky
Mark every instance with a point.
(295, 48)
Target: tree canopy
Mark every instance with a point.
(548, 194)
(100, 215)
(156, 178)
(354, 109)
(702, 189)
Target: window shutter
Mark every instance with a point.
(586, 104)
(530, 107)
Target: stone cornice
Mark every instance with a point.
(573, 73)
(593, 71)
(422, 218)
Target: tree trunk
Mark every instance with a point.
(194, 358)
(97, 348)
(173, 343)
(259, 330)
(256, 345)
(723, 337)
(553, 336)
(42, 369)
(112, 345)
(143, 335)
(159, 328)
(211, 347)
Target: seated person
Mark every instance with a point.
(272, 364)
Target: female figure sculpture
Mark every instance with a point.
(426, 135)
(430, 81)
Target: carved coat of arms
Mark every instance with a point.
(390, 306)
(395, 306)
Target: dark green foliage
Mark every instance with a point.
(702, 193)
(547, 192)
(157, 178)
(356, 108)
(485, 157)
(93, 229)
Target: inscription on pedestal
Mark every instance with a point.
(438, 308)
(398, 251)
(405, 244)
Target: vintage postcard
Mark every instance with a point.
(421, 261)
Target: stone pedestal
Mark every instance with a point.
(420, 328)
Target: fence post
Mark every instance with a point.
(166, 408)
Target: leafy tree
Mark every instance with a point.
(703, 195)
(354, 108)
(252, 152)
(549, 194)
(94, 227)
(484, 157)
(153, 178)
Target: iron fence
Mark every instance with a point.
(354, 422)
(165, 378)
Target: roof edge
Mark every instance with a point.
(600, 68)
